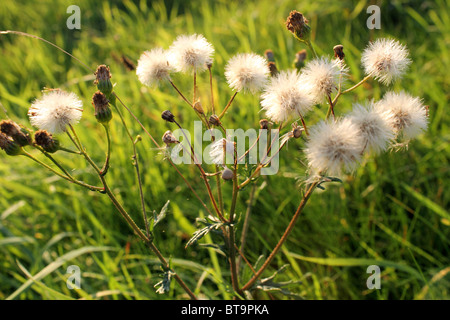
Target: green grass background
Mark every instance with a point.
(393, 212)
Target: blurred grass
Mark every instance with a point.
(393, 212)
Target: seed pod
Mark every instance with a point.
(264, 124)
(298, 25)
(227, 174)
(103, 112)
(7, 144)
(339, 51)
(198, 107)
(103, 79)
(214, 120)
(168, 138)
(168, 116)
(300, 58)
(18, 134)
(45, 140)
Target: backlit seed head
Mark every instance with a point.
(247, 72)
(386, 60)
(56, 110)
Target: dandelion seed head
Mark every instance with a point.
(374, 127)
(247, 72)
(407, 115)
(334, 147)
(153, 67)
(55, 110)
(285, 97)
(191, 53)
(386, 60)
(322, 76)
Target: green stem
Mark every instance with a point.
(309, 44)
(232, 250)
(105, 167)
(69, 151)
(246, 224)
(68, 178)
(283, 238)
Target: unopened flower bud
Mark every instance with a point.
(198, 107)
(103, 79)
(7, 144)
(297, 132)
(168, 138)
(103, 112)
(273, 69)
(339, 51)
(168, 116)
(214, 120)
(18, 134)
(227, 174)
(264, 124)
(45, 140)
(300, 58)
(269, 55)
(298, 25)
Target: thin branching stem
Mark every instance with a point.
(283, 238)
(228, 105)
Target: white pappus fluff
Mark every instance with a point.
(385, 59)
(322, 75)
(153, 67)
(247, 72)
(334, 147)
(286, 96)
(222, 152)
(407, 115)
(55, 110)
(374, 127)
(191, 53)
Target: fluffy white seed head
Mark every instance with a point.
(222, 151)
(191, 53)
(334, 147)
(55, 110)
(286, 97)
(247, 72)
(374, 127)
(385, 59)
(153, 67)
(322, 75)
(407, 115)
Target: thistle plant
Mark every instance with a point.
(332, 147)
